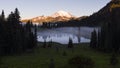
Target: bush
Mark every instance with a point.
(50, 44)
(81, 62)
(64, 53)
(113, 60)
(44, 44)
(52, 64)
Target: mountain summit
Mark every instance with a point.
(62, 14)
(56, 17)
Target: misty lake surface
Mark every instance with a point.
(62, 35)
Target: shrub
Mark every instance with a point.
(44, 44)
(52, 64)
(81, 62)
(50, 44)
(64, 53)
(113, 60)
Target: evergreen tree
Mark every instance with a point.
(35, 35)
(17, 14)
(31, 35)
(2, 17)
(44, 44)
(28, 27)
(99, 39)
(70, 43)
(93, 42)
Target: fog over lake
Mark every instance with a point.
(62, 35)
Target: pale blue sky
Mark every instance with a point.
(33, 8)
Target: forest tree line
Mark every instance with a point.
(107, 38)
(14, 36)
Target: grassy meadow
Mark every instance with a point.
(40, 57)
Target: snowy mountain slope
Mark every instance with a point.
(62, 14)
(58, 16)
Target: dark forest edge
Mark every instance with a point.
(15, 37)
(107, 37)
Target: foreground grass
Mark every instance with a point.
(40, 57)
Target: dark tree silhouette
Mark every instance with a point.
(93, 42)
(70, 43)
(2, 17)
(44, 44)
(17, 14)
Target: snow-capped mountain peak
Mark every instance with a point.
(62, 14)
(56, 17)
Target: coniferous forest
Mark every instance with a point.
(14, 36)
(107, 37)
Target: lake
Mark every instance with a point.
(62, 35)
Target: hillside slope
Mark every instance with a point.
(103, 15)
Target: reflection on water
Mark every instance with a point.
(62, 35)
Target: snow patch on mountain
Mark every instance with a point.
(62, 14)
